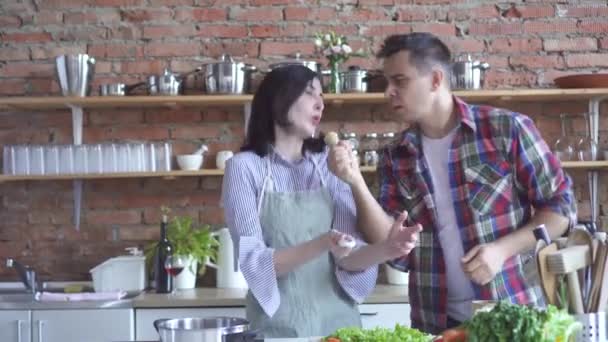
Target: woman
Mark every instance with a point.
(286, 211)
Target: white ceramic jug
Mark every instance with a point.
(227, 276)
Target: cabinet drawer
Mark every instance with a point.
(384, 315)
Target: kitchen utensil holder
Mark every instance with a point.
(594, 327)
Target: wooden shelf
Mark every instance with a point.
(594, 165)
(487, 96)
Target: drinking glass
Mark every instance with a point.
(563, 145)
(586, 147)
(174, 264)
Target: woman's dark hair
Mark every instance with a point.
(271, 103)
(425, 49)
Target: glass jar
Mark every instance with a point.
(351, 137)
(370, 142)
(370, 158)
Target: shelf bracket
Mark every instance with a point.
(77, 123)
(246, 114)
(592, 176)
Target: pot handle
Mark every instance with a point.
(158, 322)
(249, 67)
(132, 87)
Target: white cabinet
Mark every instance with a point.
(15, 326)
(144, 326)
(82, 325)
(384, 315)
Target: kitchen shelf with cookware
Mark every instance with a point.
(573, 165)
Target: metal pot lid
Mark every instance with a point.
(293, 61)
(229, 325)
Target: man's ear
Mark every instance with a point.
(437, 77)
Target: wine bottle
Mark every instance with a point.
(163, 250)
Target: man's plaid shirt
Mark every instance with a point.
(500, 170)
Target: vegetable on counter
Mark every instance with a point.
(509, 322)
(399, 334)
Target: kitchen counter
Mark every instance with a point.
(214, 297)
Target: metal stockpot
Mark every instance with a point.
(118, 89)
(312, 65)
(166, 84)
(228, 76)
(468, 74)
(213, 329)
(354, 80)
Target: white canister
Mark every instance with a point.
(396, 277)
(221, 158)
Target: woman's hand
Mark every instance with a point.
(343, 163)
(339, 244)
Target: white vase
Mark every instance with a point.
(187, 278)
(396, 277)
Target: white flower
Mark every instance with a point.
(338, 41)
(327, 38)
(318, 42)
(346, 49)
(336, 49)
(327, 52)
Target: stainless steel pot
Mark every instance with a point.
(354, 80)
(213, 329)
(168, 83)
(468, 74)
(228, 77)
(312, 65)
(118, 89)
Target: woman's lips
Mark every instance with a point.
(316, 120)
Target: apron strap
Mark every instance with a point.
(267, 180)
(318, 170)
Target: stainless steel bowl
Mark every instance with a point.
(228, 77)
(118, 89)
(213, 329)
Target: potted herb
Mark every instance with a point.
(194, 242)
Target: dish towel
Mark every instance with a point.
(75, 297)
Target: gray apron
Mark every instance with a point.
(312, 301)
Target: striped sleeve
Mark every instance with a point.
(358, 285)
(240, 210)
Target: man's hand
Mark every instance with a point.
(483, 262)
(401, 239)
(343, 163)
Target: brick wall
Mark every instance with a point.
(527, 43)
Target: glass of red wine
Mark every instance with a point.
(174, 264)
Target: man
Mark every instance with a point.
(477, 179)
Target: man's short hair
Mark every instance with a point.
(425, 50)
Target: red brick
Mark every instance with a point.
(216, 49)
(270, 2)
(172, 49)
(586, 26)
(115, 117)
(42, 86)
(306, 13)
(142, 67)
(50, 52)
(530, 11)
(548, 76)
(14, 54)
(385, 30)
(92, 17)
(496, 62)
(222, 31)
(587, 60)
(48, 18)
(115, 50)
(125, 33)
(591, 10)
(284, 49)
(533, 62)
(510, 45)
(344, 30)
(171, 2)
(604, 43)
(62, 4)
(140, 132)
(31, 37)
(27, 69)
(201, 14)
(289, 30)
(117, 3)
(495, 28)
(439, 29)
(113, 217)
(256, 14)
(504, 79)
(366, 14)
(197, 132)
(9, 21)
(169, 116)
(143, 15)
(155, 32)
(477, 12)
(79, 33)
(416, 14)
(554, 26)
(572, 44)
(460, 46)
(265, 31)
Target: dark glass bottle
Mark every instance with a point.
(163, 249)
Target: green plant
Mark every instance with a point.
(187, 239)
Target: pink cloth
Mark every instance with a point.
(74, 297)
